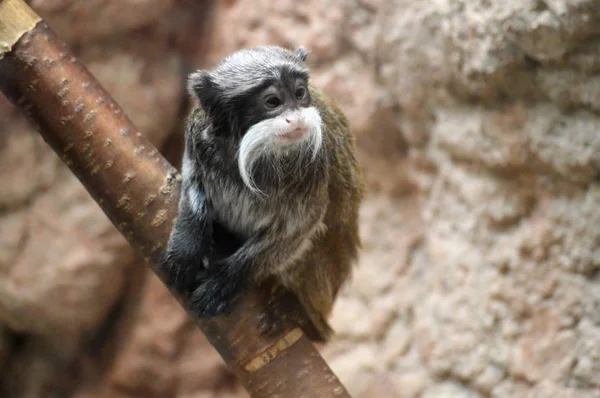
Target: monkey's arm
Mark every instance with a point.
(190, 246)
(258, 257)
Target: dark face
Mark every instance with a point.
(271, 131)
(271, 100)
(259, 117)
(251, 85)
(265, 101)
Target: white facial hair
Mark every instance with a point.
(264, 139)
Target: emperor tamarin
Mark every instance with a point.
(269, 166)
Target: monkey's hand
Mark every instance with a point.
(221, 286)
(190, 248)
(183, 267)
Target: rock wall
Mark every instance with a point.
(478, 124)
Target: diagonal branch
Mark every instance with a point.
(138, 190)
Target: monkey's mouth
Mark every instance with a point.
(293, 135)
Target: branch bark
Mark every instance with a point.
(138, 190)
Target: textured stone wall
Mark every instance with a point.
(478, 123)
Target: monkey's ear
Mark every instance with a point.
(201, 86)
(302, 53)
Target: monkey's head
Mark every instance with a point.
(258, 100)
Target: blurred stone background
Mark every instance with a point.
(478, 124)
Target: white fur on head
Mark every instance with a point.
(265, 139)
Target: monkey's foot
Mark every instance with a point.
(273, 318)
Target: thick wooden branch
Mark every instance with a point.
(138, 190)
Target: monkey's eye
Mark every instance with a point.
(300, 93)
(272, 101)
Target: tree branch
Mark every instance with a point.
(138, 190)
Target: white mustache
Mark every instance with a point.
(265, 139)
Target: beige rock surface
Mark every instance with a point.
(478, 127)
(85, 21)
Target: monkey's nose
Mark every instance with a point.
(294, 122)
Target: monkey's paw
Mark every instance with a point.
(271, 321)
(214, 295)
(275, 314)
(182, 271)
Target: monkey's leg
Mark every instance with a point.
(190, 246)
(277, 310)
(316, 296)
(282, 305)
